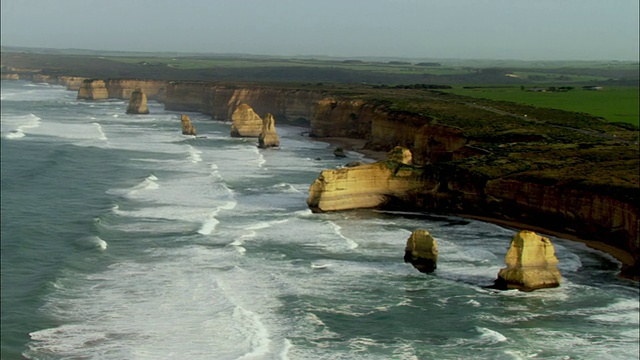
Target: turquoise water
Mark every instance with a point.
(123, 239)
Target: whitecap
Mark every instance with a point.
(209, 225)
(490, 336)
(92, 242)
(102, 135)
(194, 154)
(349, 242)
(320, 266)
(258, 337)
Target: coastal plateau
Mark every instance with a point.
(570, 173)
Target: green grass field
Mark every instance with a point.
(614, 103)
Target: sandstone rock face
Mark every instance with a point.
(123, 88)
(268, 136)
(138, 103)
(246, 123)
(531, 264)
(187, 127)
(219, 101)
(422, 251)
(6, 76)
(93, 90)
(364, 186)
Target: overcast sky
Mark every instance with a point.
(486, 29)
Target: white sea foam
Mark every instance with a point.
(258, 336)
(194, 154)
(490, 336)
(14, 127)
(350, 244)
(100, 131)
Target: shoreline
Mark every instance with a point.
(357, 145)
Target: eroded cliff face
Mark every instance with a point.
(219, 101)
(122, 88)
(93, 90)
(71, 82)
(364, 186)
(384, 129)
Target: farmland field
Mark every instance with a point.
(614, 103)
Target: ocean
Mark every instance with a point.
(124, 239)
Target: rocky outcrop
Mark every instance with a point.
(384, 129)
(9, 76)
(339, 152)
(365, 186)
(531, 264)
(400, 155)
(268, 136)
(92, 89)
(245, 122)
(138, 103)
(123, 88)
(421, 251)
(187, 126)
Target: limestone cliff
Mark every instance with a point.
(187, 126)
(220, 101)
(531, 264)
(9, 76)
(384, 129)
(138, 103)
(122, 88)
(245, 122)
(268, 136)
(92, 89)
(365, 186)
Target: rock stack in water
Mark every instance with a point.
(92, 89)
(246, 123)
(187, 127)
(268, 136)
(138, 103)
(421, 251)
(531, 264)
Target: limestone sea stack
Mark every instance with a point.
(531, 264)
(246, 123)
(187, 126)
(421, 251)
(268, 136)
(138, 103)
(92, 89)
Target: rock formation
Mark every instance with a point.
(138, 103)
(123, 88)
(187, 127)
(421, 251)
(339, 152)
(401, 155)
(268, 136)
(246, 123)
(364, 186)
(531, 264)
(92, 89)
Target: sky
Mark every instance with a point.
(429, 29)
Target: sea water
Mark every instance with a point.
(124, 239)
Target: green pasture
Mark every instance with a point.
(614, 103)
